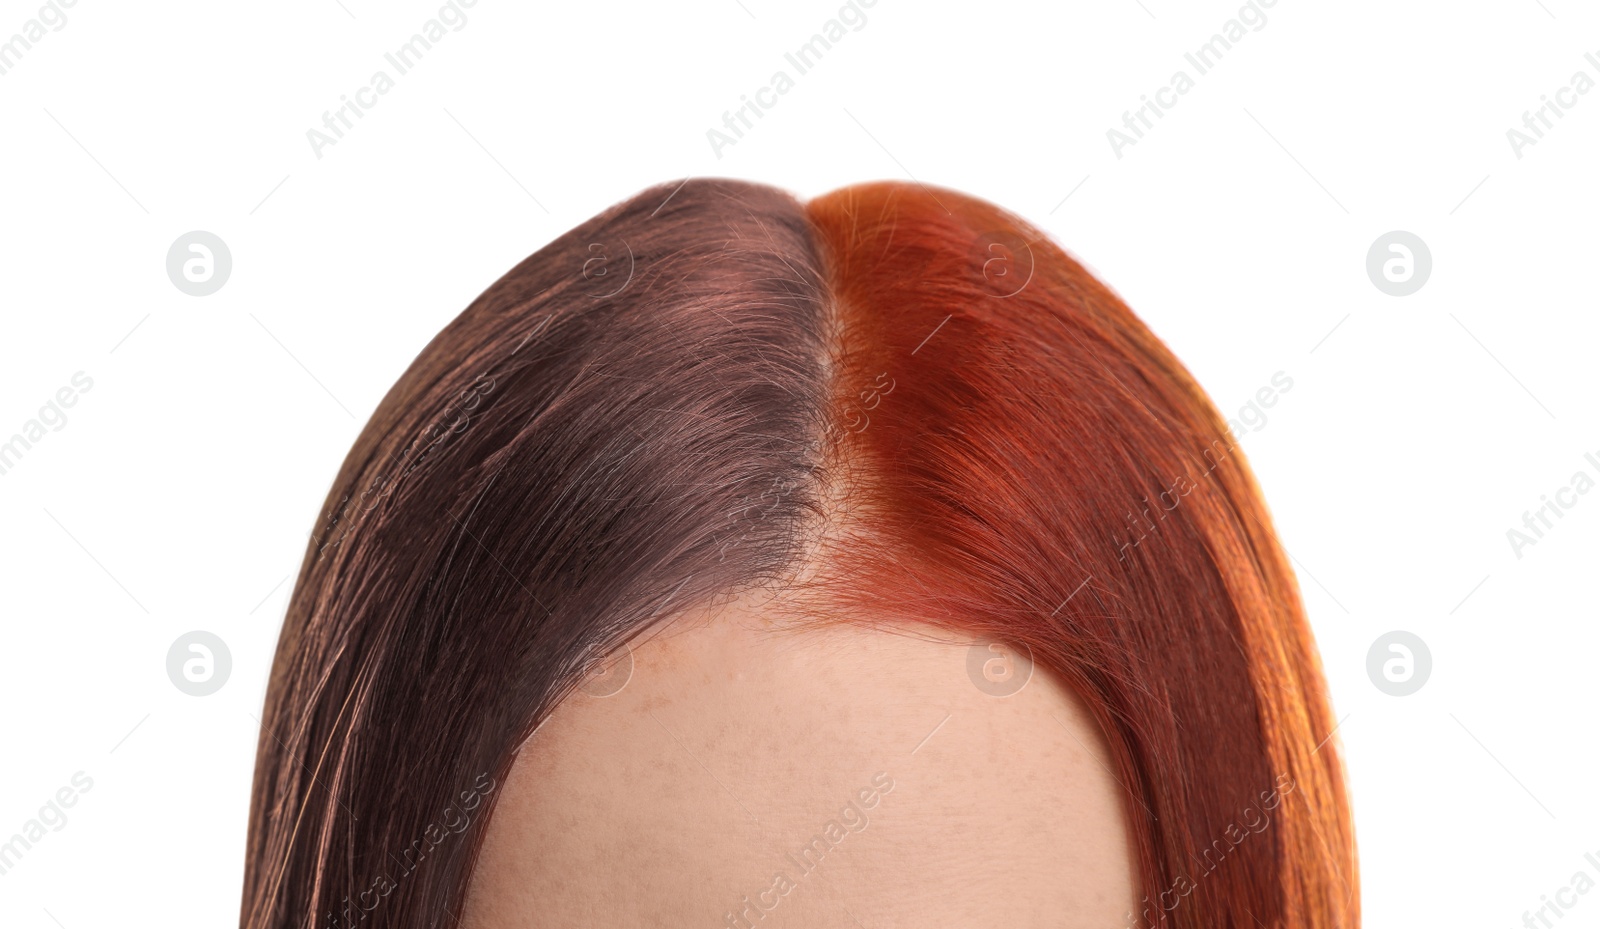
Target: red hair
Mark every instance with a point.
(1044, 471)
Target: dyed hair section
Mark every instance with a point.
(1044, 471)
(903, 407)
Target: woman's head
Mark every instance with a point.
(716, 424)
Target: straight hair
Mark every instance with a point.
(902, 406)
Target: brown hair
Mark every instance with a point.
(669, 403)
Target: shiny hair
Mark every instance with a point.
(900, 406)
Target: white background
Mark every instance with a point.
(1418, 430)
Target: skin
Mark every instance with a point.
(675, 800)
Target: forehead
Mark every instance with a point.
(742, 774)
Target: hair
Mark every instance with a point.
(901, 406)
